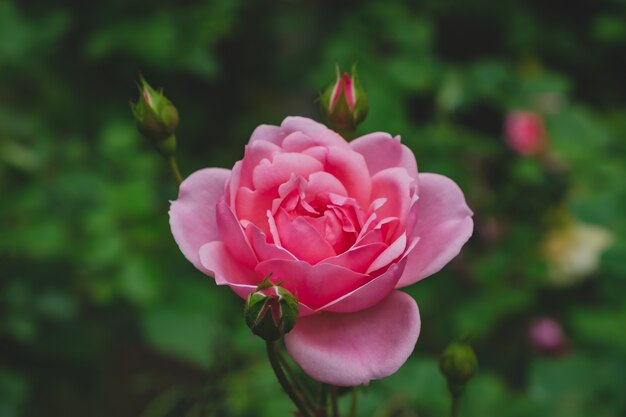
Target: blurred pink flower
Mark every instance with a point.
(546, 335)
(525, 132)
(343, 225)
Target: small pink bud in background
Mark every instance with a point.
(525, 132)
(344, 103)
(546, 335)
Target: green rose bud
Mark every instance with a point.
(271, 311)
(156, 118)
(345, 103)
(458, 363)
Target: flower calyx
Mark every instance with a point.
(344, 103)
(271, 311)
(156, 118)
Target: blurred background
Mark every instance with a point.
(521, 102)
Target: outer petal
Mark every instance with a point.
(369, 294)
(233, 235)
(269, 133)
(381, 151)
(316, 131)
(192, 216)
(352, 349)
(444, 224)
(314, 285)
(216, 258)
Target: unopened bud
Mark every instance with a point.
(271, 311)
(156, 118)
(458, 363)
(344, 103)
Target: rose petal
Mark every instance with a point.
(370, 294)
(320, 185)
(396, 186)
(265, 250)
(192, 215)
(269, 133)
(253, 155)
(319, 133)
(351, 170)
(302, 239)
(352, 349)
(314, 285)
(393, 252)
(443, 225)
(358, 258)
(381, 151)
(226, 270)
(270, 174)
(252, 205)
(233, 236)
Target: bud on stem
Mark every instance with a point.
(458, 363)
(271, 311)
(344, 103)
(156, 118)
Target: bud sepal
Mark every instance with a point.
(271, 311)
(156, 118)
(344, 103)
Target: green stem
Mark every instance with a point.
(352, 411)
(272, 354)
(298, 385)
(174, 168)
(456, 406)
(334, 402)
(323, 405)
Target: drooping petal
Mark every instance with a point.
(381, 151)
(444, 224)
(192, 215)
(353, 349)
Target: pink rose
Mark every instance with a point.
(344, 225)
(546, 335)
(525, 132)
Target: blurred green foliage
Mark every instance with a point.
(102, 316)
